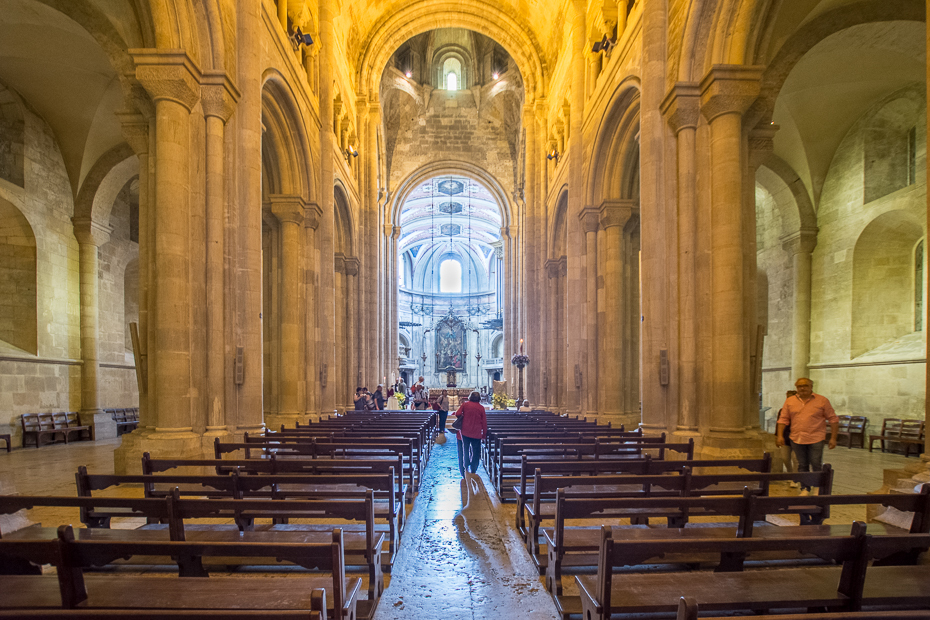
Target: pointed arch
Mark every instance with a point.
(614, 173)
(286, 158)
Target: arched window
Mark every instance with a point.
(450, 276)
(451, 72)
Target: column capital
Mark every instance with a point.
(339, 262)
(312, 215)
(388, 230)
(169, 75)
(351, 265)
(729, 89)
(616, 213)
(590, 219)
(135, 128)
(552, 268)
(287, 208)
(563, 266)
(801, 241)
(395, 232)
(761, 144)
(90, 232)
(218, 95)
(682, 106)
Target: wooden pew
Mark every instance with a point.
(388, 503)
(688, 609)
(72, 588)
(632, 486)
(152, 614)
(576, 546)
(178, 517)
(905, 432)
(645, 466)
(848, 587)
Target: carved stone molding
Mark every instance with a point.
(590, 219)
(287, 208)
(563, 266)
(168, 75)
(312, 215)
(219, 95)
(396, 232)
(87, 231)
(729, 89)
(761, 144)
(802, 241)
(352, 265)
(552, 268)
(339, 262)
(135, 128)
(682, 106)
(616, 213)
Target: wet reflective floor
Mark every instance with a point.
(459, 564)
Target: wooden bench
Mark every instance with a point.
(613, 591)
(179, 522)
(126, 422)
(333, 595)
(906, 432)
(9, 441)
(575, 547)
(852, 428)
(39, 426)
(645, 466)
(70, 424)
(152, 614)
(686, 484)
(688, 609)
(388, 494)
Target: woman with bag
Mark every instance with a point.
(472, 429)
(442, 406)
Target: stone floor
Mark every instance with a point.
(451, 565)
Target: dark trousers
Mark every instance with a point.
(442, 420)
(471, 454)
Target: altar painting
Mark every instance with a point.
(450, 345)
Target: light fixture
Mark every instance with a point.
(553, 154)
(409, 73)
(604, 45)
(351, 152)
(495, 75)
(299, 38)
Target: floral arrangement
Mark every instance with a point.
(500, 401)
(401, 399)
(519, 359)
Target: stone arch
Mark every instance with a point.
(18, 272)
(558, 239)
(882, 299)
(497, 346)
(105, 180)
(343, 239)
(448, 167)
(286, 158)
(789, 193)
(420, 17)
(615, 172)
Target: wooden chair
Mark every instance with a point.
(907, 432)
(39, 426)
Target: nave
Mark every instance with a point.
(447, 566)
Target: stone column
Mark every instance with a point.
(311, 260)
(726, 93)
(91, 235)
(218, 101)
(800, 245)
(290, 213)
(566, 373)
(173, 82)
(353, 363)
(682, 111)
(282, 14)
(135, 129)
(592, 386)
(553, 367)
(612, 217)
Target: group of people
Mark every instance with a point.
(801, 428)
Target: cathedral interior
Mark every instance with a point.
(229, 214)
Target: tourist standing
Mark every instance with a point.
(474, 429)
(379, 398)
(808, 415)
(361, 401)
(442, 406)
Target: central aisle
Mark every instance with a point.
(452, 567)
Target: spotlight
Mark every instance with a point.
(553, 154)
(300, 38)
(351, 152)
(604, 45)
(409, 74)
(495, 75)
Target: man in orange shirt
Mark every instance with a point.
(808, 414)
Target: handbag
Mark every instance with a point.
(459, 421)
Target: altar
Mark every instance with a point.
(456, 395)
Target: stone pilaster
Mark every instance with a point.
(353, 364)
(726, 93)
(91, 235)
(312, 214)
(682, 109)
(289, 210)
(590, 222)
(612, 217)
(800, 245)
(553, 366)
(218, 98)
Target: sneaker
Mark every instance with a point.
(804, 493)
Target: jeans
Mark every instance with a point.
(442, 420)
(810, 458)
(470, 454)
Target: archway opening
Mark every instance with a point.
(449, 302)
